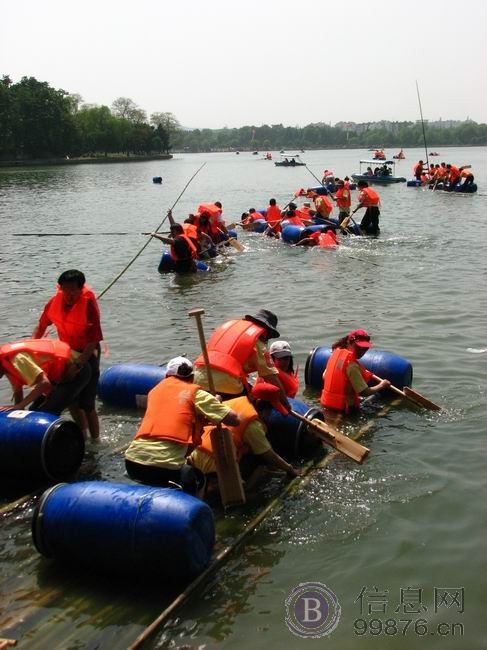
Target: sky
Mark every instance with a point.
(222, 63)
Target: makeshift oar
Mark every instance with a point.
(227, 469)
(331, 436)
(232, 241)
(413, 396)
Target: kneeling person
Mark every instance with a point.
(171, 424)
(250, 434)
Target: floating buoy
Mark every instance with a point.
(157, 179)
(37, 445)
(386, 365)
(119, 528)
(127, 384)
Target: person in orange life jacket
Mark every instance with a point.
(238, 348)
(368, 198)
(343, 199)
(183, 251)
(325, 239)
(345, 379)
(249, 435)
(418, 170)
(218, 229)
(293, 219)
(273, 212)
(205, 246)
(467, 175)
(171, 426)
(75, 313)
(323, 206)
(453, 175)
(41, 364)
(282, 356)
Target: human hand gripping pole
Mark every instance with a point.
(228, 471)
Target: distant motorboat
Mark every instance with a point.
(383, 175)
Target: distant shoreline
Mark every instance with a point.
(42, 162)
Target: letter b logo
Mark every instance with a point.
(312, 610)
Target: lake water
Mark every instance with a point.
(393, 535)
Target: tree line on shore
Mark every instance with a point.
(38, 121)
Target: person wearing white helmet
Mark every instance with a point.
(282, 356)
(177, 408)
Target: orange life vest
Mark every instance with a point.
(454, 173)
(215, 212)
(190, 230)
(465, 173)
(193, 253)
(170, 413)
(327, 239)
(368, 197)
(247, 414)
(50, 355)
(418, 167)
(323, 206)
(289, 382)
(230, 347)
(72, 324)
(273, 213)
(334, 394)
(343, 197)
(294, 221)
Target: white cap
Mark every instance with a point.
(179, 367)
(280, 349)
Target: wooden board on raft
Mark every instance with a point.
(228, 473)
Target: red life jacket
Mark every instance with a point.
(289, 382)
(334, 394)
(191, 230)
(247, 414)
(323, 206)
(170, 413)
(273, 213)
(368, 197)
(72, 324)
(50, 355)
(327, 239)
(215, 212)
(343, 197)
(230, 347)
(193, 253)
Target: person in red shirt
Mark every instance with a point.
(75, 313)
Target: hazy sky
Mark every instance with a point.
(216, 63)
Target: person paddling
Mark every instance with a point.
(345, 380)
(282, 356)
(369, 199)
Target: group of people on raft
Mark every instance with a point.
(449, 175)
(173, 444)
(320, 213)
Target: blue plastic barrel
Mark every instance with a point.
(289, 436)
(157, 179)
(36, 445)
(386, 365)
(469, 189)
(127, 384)
(119, 528)
(259, 225)
(321, 190)
(166, 265)
(413, 183)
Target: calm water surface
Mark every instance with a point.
(407, 522)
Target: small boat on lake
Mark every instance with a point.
(290, 160)
(383, 175)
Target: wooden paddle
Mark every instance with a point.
(413, 396)
(232, 241)
(331, 436)
(227, 469)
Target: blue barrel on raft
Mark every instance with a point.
(414, 183)
(166, 265)
(289, 436)
(157, 180)
(259, 225)
(126, 385)
(39, 446)
(385, 365)
(118, 528)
